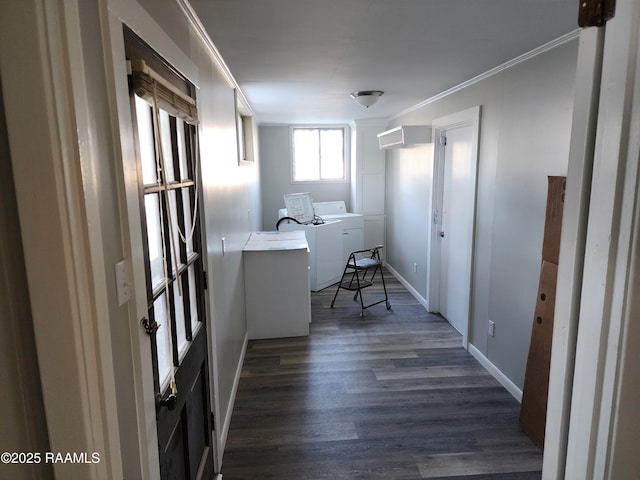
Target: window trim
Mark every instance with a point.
(346, 153)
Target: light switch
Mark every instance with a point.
(123, 286)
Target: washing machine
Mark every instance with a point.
(325, 251)
(330, 242)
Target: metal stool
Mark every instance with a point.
(354, 276)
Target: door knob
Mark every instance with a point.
(442, 234)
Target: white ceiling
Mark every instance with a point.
(297, 61)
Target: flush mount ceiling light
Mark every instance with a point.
(366, 98)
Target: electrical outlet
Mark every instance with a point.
(491, 330)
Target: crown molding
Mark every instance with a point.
(489, 73)
(215, 53)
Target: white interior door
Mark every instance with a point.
(456, 226)
(454, 217)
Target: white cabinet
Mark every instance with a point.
(276, 278)
(368, 180)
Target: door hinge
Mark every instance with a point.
(443, 140)
(595, 13)
(435, 217)
(205, 280)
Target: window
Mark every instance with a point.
(244, 129)
(319, 154)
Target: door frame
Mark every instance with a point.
(134, 17)
(51, 136)
(468, 117)
(592, 419)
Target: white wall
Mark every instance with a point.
(524, 137)
(275, 176)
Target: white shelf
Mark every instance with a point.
(405, 136)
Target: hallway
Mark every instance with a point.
(389, 396)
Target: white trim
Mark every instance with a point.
(489, 73)
(622, 377)
(469, 117)
(408, 286)
(511, 387)
(608, 256)
(572, 244)
(127, 178)
(44, 112)
(346, 152)
(222, 438)
(218, 60)
(103, 404)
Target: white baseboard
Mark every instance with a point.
(222, 438)
(407, 285)
(497, 374)
(478, 355)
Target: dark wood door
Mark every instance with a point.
(166, 142)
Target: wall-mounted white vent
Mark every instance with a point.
(405, 136)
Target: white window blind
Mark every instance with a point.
(147, 84)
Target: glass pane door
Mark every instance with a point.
(166, 147)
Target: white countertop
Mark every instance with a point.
(261, 241)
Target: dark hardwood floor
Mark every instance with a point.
(392, 395)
